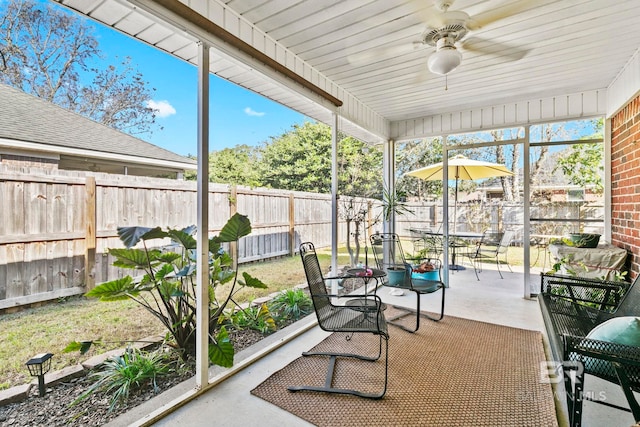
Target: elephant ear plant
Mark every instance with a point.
(166, 286)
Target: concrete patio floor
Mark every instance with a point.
(491, 299)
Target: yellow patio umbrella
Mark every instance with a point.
(461, 167)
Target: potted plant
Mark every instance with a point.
(393, 204)
(584, 240)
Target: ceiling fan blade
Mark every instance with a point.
(432, 17)
(502, 12)
(489, 47)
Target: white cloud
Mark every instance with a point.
(162, 108)
(250, 112)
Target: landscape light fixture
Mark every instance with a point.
(39, 365)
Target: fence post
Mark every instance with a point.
(292, 225)
(233, 208)
(90, 233)
(434, 215)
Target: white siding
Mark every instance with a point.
(565, 107)
(625, 86)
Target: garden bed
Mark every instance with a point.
(54, 409)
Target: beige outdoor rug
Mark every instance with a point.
(455, 372)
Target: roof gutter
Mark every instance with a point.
(47, 148)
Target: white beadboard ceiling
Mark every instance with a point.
(363, 51)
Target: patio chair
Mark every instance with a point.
(389, 256)
(491, 246)
(362, 314)
(426, 244)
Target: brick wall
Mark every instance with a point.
(625, 182)
(28, 161)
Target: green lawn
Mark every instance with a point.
(51, 327)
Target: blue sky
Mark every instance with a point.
(238, 116)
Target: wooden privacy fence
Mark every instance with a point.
(556, 218)
(56, 227)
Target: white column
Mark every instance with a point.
(334, 202)
(526, 233)
(608, 221)
(202, 237)
(445, 210)
(389, 181)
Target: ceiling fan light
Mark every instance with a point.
(444, 60)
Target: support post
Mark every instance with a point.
(389, 182)
(202, 237)
(445, 209)
(334, 201)
(526, 232)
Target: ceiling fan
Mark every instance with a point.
(449, 27)
(448, 32)
(454, 28)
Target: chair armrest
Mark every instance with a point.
(350, 297)
(602, 295)
(612, 362)
(613, 352)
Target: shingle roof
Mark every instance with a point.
(28, 118)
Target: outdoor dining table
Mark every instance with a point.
(465, 235)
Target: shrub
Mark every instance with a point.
(119, 375)
(256, 317)
(292, 304)
(167, 287)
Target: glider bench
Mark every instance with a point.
(593, 327)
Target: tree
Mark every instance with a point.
(583, 165)
(53, 54)
(236, 166)
(300, 160)
(413, 155)
(354, 213)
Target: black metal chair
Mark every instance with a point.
(389, 256)
(364, 314)
(490, 247)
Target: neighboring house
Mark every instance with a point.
(549, 193)
(34, 132)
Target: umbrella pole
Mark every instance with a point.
(455, 206)
(453, 265)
